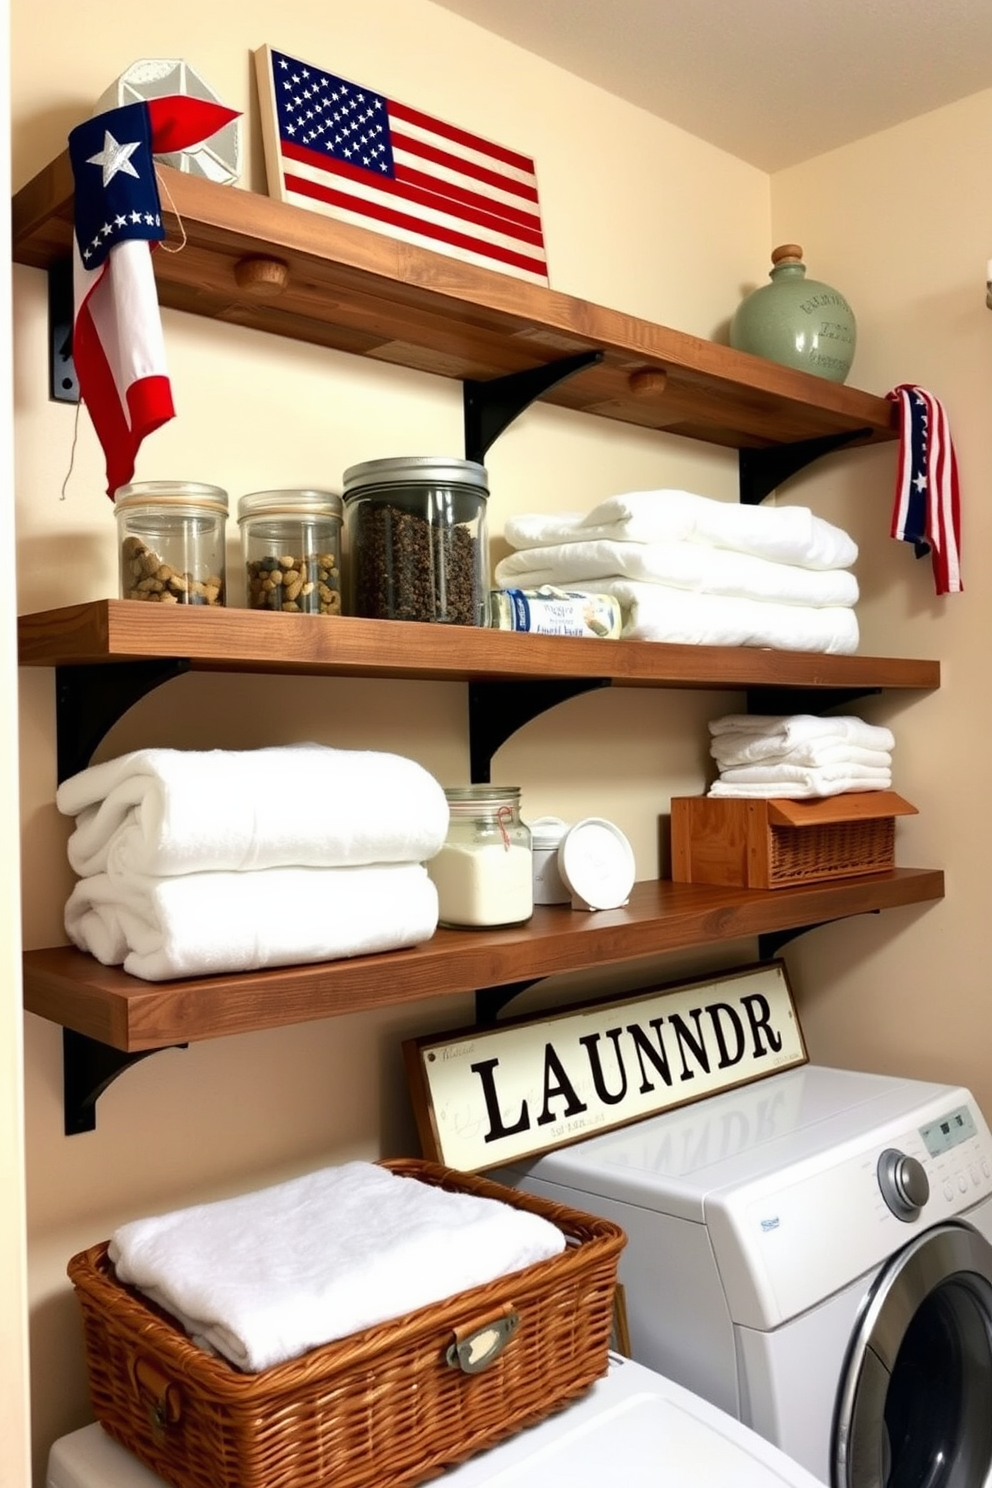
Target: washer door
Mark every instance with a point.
(913, 1409)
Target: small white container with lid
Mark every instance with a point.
(596, 863)
(546, 835)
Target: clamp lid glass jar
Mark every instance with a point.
(416, 540)
(291, 544)
(172, 542)
(483, 872)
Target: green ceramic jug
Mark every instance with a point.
(796, 321)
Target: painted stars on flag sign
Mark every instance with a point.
(327, 113)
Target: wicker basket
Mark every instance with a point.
(387, 1406)
(776, 843)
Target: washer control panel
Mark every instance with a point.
(789, 1237)
(961, 1162)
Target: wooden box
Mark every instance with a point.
(775, 843)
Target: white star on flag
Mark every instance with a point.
(114, 157)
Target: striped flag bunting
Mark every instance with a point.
(927, 508)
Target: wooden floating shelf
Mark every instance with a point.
(229, 640)
(252, 261)
(104, 1003)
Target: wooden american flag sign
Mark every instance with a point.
(340, 148)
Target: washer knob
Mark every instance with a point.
(903, 1182)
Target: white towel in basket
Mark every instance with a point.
(170, 811)
(264, 1277)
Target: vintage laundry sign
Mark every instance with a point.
(483, 1096)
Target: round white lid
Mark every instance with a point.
(597, 863)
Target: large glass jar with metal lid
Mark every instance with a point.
(416, 544)
(483, 872)
(171, 537)
(291, 543)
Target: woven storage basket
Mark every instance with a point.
(776, 843)
(381, 1407)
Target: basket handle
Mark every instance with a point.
(161, 1395)
(479, 1344)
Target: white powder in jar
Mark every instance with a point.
(486, 885)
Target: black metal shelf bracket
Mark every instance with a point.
(63, 385)
(772, 941)
(491, 406)
(89, 700)
(785, 700)
(88, 1067)
(490, 1001)
(497, 709)
(761, 471)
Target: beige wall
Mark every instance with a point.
(639, 216)
(902, 222)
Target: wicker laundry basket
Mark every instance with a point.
(392, 1405)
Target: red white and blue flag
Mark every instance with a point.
(353, 154)
(927, 508)
(117, 343)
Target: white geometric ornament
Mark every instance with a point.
(219, 157)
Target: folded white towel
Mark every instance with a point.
(200, 924)
(264, 1277)
(796, 781)
(655, 612)
(783, 534)
(167, 811)
(767, 733)
(728, 754)
(683, 565)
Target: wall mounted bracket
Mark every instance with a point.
(772, 941)
(761, 471)
(490, 1001)
(88, 1067)
(89, 700)
(497, 709)
(777, 701)
(63, 385)
(493, 405)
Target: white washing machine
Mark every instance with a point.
(632, 1428)
(811, 1253)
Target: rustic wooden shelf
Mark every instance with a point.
(363, 292)
(131, 1015)
(111, 631)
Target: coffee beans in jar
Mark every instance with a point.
(416, 540)
(291, 541)
(171, 537)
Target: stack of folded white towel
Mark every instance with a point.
(689, 569)
(197, 862)
(266, 1276)
(799, 755)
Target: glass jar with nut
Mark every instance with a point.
(291, 542)
(171, 537)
